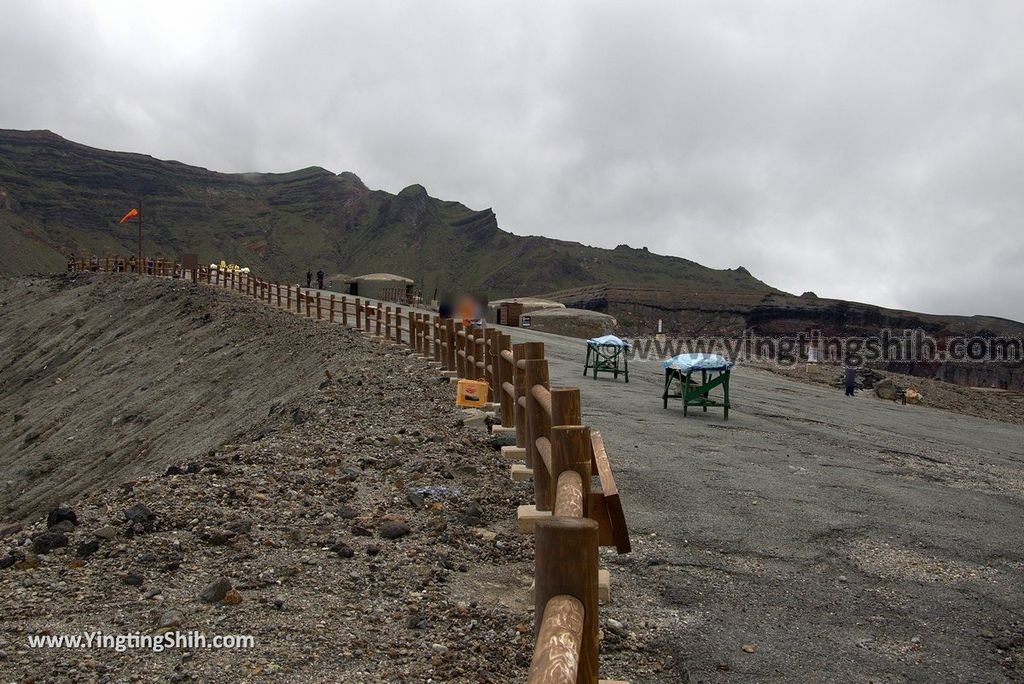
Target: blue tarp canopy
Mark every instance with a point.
(607, 341)
(688, 362)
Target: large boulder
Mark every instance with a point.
(885, 389)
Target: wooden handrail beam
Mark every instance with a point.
(556, 657)
(569, 499)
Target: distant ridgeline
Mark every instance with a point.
(58, 197)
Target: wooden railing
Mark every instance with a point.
(570, 518)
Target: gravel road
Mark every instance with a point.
(838, 538)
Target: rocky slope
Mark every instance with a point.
(352, 525)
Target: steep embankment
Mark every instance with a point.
(57, 196)
(108, 377)
(358, 531)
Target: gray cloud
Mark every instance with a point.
(872, 151)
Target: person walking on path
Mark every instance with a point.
(309, 279)
(320, 279)
(849, 380)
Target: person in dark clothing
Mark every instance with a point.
(309, 279)
(320, 279)
(850, 378)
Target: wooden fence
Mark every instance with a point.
(570, 518)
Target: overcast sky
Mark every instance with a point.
(872, 151)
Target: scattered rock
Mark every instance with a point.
(342, 550)
(133, 579)
(216, 536)
(749, 648)
(48, 541)
(61, 514)
(216, 591)
(87, 548)
(171, 618)
(393, 529)
(106, 532)
(346, 513)
(232, 597)
(140, 517)
(415, 499)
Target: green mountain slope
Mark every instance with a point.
(58, 197)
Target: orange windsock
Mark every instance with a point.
(131, 214)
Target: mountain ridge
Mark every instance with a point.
(64, 197)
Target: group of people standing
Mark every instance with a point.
(319, 279)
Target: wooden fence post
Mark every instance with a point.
(332, 309)
(359, 314)
(344, 310)
(309, 302)
(506, 375)
(460, 349)
(380, 310)
(318, 305)
(538, 424)
(449, 337)
(288, 294)
(398, 325)
(523, 352)
(366, 317)
(491, 362)
(565, 558)
(570, 450)
(387, 323)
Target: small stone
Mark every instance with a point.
(61, 514)
(842, 579)
(372, 550)
(347, 513)
(232, 597)
(87, 548)
(141, 515)
(343, 550)
(484, 534)
(216, 536)
(415, 499)
(439, 648)
(915, 640)
(616, 627)
(63, 526)
(749, 648)
(299, 416)
(133, 579)
(394, 440)
(216, 591)
(106, 532)
(393, 529)
(48, 541)
(171, 618)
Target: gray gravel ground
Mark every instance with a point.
(839, 539)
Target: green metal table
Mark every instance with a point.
(606, 358)
(697, 394)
